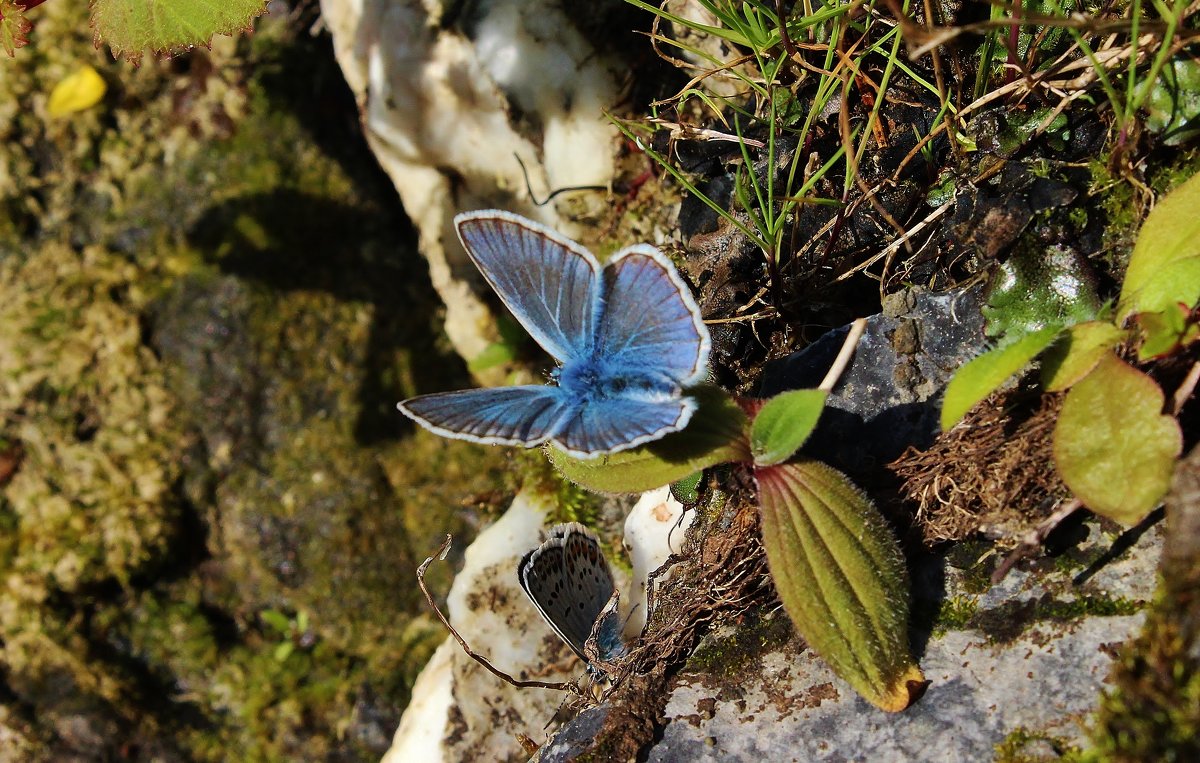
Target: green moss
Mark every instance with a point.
(1010, 620)
(1025, 746)
(970, 558)
(1069, 563)
(1180, 168)
(1153, 710)
(955, 613)
(91, 499)
(727, 656)
(253, 459)
(1125, 205)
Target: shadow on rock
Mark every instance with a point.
(291, 241)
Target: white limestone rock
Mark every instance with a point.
(448, 104)
(460, 711)
(654, 530)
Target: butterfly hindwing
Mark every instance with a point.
(569, 582)
(549, 283)
(650, 321)
(526, 415)
(607, 426)
(606, 642)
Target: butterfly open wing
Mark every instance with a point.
(650, 322)
(616, 424)
(526, 415)
(628, 336)
(568, 579)
(549, 283)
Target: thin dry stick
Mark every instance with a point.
(843, 359)
(680, 131)
(556, 685)
(902, 240)
(1185, 390)
(1034, 538)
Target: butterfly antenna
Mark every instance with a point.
(555, 192)
(441, 555)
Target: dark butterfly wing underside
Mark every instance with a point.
(568, 580)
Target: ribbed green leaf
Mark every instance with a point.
(841, 578)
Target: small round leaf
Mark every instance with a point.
(1113, 447)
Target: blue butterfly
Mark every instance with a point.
(569, 581)
(628, 337)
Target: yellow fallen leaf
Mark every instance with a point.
(76, 92)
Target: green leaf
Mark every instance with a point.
(981, 376)
(1164, 269)
(276, 620)
(1166, 332)
(1077, 354)
(284, 650)
(783, 424)
(1113, 447)
(716, 434)
(686, 490)
(1173, 102)
(841, 577)
(14, 27)
(132, 26)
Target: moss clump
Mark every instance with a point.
(970, 558)
(726, 656)
(1010, 620)
(1154, 711)
(86, 400)
(1025, 746)
(210, 307)
(955, 613)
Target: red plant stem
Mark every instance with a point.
(1014, 39)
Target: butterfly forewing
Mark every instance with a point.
(549, 283)
(526, 415)
(649, 320)
(569, 582)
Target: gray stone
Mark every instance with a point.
(792, 707)
(1032, 657)
(887, 398)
